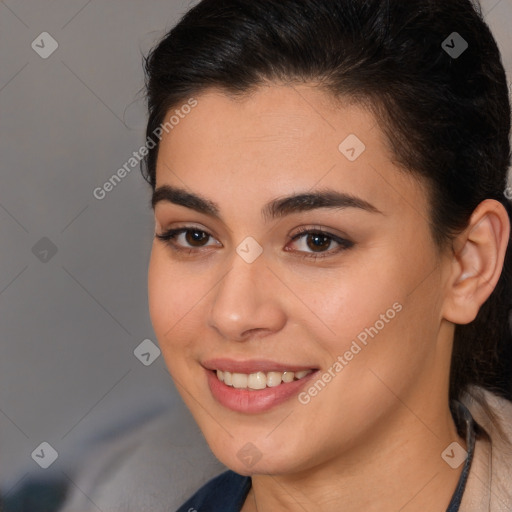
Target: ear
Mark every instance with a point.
(477, 262)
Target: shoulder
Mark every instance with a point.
(489, 485)
(494, 414)
(226, 492)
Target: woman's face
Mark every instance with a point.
(245, 290)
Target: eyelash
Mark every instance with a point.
(169, 236)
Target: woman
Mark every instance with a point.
(330, 280)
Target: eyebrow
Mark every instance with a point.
(276, 208)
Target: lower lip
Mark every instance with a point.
(254, 401)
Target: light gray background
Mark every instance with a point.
(69, 326)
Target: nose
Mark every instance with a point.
(246, 303)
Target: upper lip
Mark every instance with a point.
(252, 366)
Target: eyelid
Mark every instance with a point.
(318, 229)
(344, 243)
(168, 235)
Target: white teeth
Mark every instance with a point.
(273, 379)
(259, 380)
(288, 376)
(239, 380)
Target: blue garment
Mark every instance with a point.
(33, 495)
(466, 426)
(228, 491)
(224, 493)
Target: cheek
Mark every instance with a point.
(172, 296)
(159, 293)
(341, 304)
(368, 316)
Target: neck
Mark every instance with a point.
(398, 468)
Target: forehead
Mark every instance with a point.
(279, 139)
(270, 114)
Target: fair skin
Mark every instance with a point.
(372, 439)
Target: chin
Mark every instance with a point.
(245, 457)
(262, 467)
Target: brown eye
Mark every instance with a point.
(186, 239)
(196, 238)
(318, 242)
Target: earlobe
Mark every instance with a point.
(477, 265)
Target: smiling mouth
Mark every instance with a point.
(259, 380)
